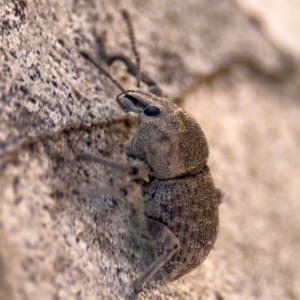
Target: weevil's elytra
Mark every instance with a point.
(180, 199)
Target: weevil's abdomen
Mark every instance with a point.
(188, 207)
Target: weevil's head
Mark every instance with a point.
(168, 140)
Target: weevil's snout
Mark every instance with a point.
(130, 103)
(135, 100)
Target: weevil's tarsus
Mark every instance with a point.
(103, 71)
(131, 34)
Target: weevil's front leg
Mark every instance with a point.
(164, 235)
(124, 191)
(137, 169)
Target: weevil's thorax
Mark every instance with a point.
(168, 139)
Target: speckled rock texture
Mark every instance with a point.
(208, 56)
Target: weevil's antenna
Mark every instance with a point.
(128, 22)
(103, 71)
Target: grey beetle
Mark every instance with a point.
(170, 149)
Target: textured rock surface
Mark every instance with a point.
(241, 87)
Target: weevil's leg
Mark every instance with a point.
(220, 195)
(124, 191)
(137, 169)
(164, 235)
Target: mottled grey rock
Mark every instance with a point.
(56, 244)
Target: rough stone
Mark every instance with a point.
(209, 56)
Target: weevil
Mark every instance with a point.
(170, 149)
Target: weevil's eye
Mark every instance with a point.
(152, 111)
